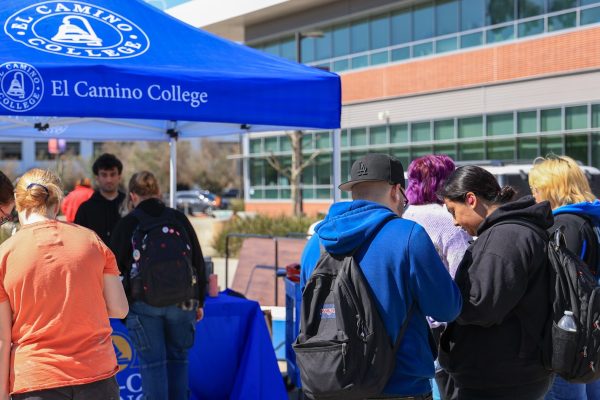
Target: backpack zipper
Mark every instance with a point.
(344, 352)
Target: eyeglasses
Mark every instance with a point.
(12, 216)
(405, 202)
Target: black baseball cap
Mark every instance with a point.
(375, 167)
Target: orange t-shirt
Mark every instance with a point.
(52, 274)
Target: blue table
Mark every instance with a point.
(232, 356)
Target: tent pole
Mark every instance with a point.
(337, 165)
(172, 132)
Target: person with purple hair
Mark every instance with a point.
(425, 175)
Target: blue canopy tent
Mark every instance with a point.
(123, 70)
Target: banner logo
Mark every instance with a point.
(21, 86)
(123, 350)
(77, 29)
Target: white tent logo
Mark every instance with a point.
(21, 86)
(77, 29)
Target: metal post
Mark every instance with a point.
(226, 261)
(172, 132)
(276, 268)
(337, 164)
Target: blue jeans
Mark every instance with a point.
(162, 337)
(563, 390)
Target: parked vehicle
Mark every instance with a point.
(196, 201)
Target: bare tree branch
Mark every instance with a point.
(276, 164)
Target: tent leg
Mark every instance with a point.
(337, 165)
(173, 171)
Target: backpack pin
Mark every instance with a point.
(136, 255)
(165, 229)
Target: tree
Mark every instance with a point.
(294, 171)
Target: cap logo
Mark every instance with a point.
(362, 169)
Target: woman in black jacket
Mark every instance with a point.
(492, 350)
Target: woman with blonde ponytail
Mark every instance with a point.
(59, 285)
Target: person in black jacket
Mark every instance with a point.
(162, 336)
(559, 180)
(103, 210)
(492, 350)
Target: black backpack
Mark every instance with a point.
(343, 350)
(575, 356)
(162, 273)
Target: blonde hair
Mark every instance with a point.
(144, 184)
(559, 180)
(38, 191)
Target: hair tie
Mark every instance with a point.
(40, 185)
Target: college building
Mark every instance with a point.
(506, 80)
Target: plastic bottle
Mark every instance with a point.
(567, 322)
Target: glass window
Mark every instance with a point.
(399, 133)
(500, 124)
(472, 14)
(323, 45)
(590, 16)
(270, 144)
(341, 40)
(341, 65)
(255, 145)
(444, 45)
(530, 28)
(378, 135)
(527, 122)
(500, 34)
(272, 48)
(563, 21)
(307, 141)
(423, 49)
(443, 130)
(286, 162)
(358, 137)
(470, 127)
(551, 120)
(576, 117)
(324, 194)
(344, 138)
(527, 148)
(288, 49)
(380, 32)
(271, 194)
(11, 151)
(401, 27)
(270, 174)
(360, 62)
(286, 194)
(73, 148)
(401, 54)
(576, 147)
(421, 131)
(420, 151)
(470, 151)
(308, 175)
(359, 36)
(402, 155)
(595, 115)
(501, 150)
(308, 193)
(446, 17)
(423, 21)
(307, 49)
(379, 58)
(588, 2)
(499, 11)
(551, 144)
(256, 172)
(595, 158)
(447, 149)
(322, 140)
(558, 5)
(285, 143)
(323, 169)
(256, 193)
(530, 8)
(471, 40)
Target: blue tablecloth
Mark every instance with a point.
(232, 357)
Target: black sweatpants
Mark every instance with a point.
(107, 389)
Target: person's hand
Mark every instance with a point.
(199, 314)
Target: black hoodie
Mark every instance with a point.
(100, 214)
(503, 278)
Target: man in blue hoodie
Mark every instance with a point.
(398, 260)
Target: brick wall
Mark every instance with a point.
(275, 209)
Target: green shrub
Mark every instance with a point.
(237, 205)
(260, 224)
